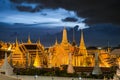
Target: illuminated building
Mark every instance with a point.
(26, 54)
(60, 53)
(81, 58)
(35, 55)
(17, 57)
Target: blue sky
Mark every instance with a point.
(45, 19)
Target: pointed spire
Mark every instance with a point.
(64, 37)
(6, 66)
(56, 42)
(16, 43)
(5, 58)
(37, 62)
(73, 43)
(29, 40)
(73, 35)
(108, 50)
(82, 46)
(38, 41)
(21, 41)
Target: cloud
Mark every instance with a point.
(89, 12)
(29, 7)
(24, 12)
(70, 19)
(45, 17)
(94, 12)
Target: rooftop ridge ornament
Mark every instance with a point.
(16, 43)
(56, 42)
(39, 41)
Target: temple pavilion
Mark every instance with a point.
(31, 54)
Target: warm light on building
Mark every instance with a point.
(35, 55)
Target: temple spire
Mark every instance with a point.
(64, 37)
(6, 67)
(21, 41)
(108, 50)
(82, 46)
(73, 43)
(29, 41)
(73, 35)
(38, 41)
(56, 42)
(82, 43)
(16, 43)
(37, 62)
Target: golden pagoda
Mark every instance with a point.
(56, 43)
(37, 61)
(82, 47)
(81, 58)
(60, 51)
(29, 40)
(18, 58)
(64, 38)
(79, 54)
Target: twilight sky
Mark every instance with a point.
(45, 19)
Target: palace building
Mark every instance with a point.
(60, 53)
(28, 54)
(36, 55)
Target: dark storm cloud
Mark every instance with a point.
(27, 8)
(94, 11)
(70, 19)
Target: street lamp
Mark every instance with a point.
(79, 78)
(99, 48)
(36, 77)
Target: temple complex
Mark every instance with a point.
(27, 54)
(80, 56)
(31, 54)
